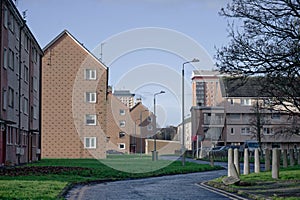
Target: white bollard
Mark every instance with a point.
(256, 161)
(246, 162)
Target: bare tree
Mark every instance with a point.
(265, 41)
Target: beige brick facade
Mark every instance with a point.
(65, 133)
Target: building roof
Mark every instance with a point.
(242, 87)
(205, 73)
(123, 93)
(65, 32)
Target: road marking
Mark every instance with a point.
(221, 192)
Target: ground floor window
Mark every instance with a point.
(90, 142)
(121, 146)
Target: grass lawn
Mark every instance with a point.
(262, 185)
(48, 178)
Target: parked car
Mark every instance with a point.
(251, 145)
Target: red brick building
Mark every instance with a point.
(20, 72)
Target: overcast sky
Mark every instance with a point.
(185, 29)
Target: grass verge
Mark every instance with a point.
(47, 179)
(263, 186)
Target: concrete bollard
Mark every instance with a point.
(233, 171)
(284, 158)
(267, 160)
(256, 161)
(236, 160)
(292, 159)
(246, 162)
(230, 160)
(275, 164)
(211, 158)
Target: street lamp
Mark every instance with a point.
(182, 112)
(154, 153)
(141, 119)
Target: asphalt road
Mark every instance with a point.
(166, 187)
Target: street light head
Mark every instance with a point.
(162, 92)
(195, 60)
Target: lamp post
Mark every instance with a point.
(182, 112)
(154, 152)
(141, 142)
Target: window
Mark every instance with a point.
(122, 123)
(26, 73)
(245, 131)
(90, 142)
(149, 119)
(90, 97)
(4, 103)
(268, 131)
(5, 58)
(25, 106)
(149, 127)
(35, 83)
(35, 112)
(246, 102)
(10, 97)
(122, 146)
(232, 131)
(5, 13)
(11, 23)
(11, 60)
(275, 116)
(122, 112)
(122, 134)
(9, 132)
(90, 74)
(235, 116)
(90, 119)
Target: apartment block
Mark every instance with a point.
(20, 71)
(206, 88)
(74, 101)
(231, 118)
(125, 97)
(144, 127)
(120, 126)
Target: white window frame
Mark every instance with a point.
(9, 132)
(246, 102)
(91, 117)
(245, 131)
(90, 74)
(91, 97)
(122, 134)
(35, 83)
(35, 112)
(4, 96)
(90, 142)
(122, 123)
(268, 131)
(26, 74)
(232, 131)
(5, 58)
(5, 14)
(150, 127)
(122, 112)
(25, 106)
(11, 59)
(11, 97)
(123, 144)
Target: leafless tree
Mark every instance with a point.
(265, 41)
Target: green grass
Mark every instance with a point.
(263, 181)
(115, 167)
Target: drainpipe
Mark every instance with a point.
(20, 79)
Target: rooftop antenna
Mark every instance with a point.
(24, 14)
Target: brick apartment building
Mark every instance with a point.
(74, 101)
(119, 125)
(20, 73)
(230, 120)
